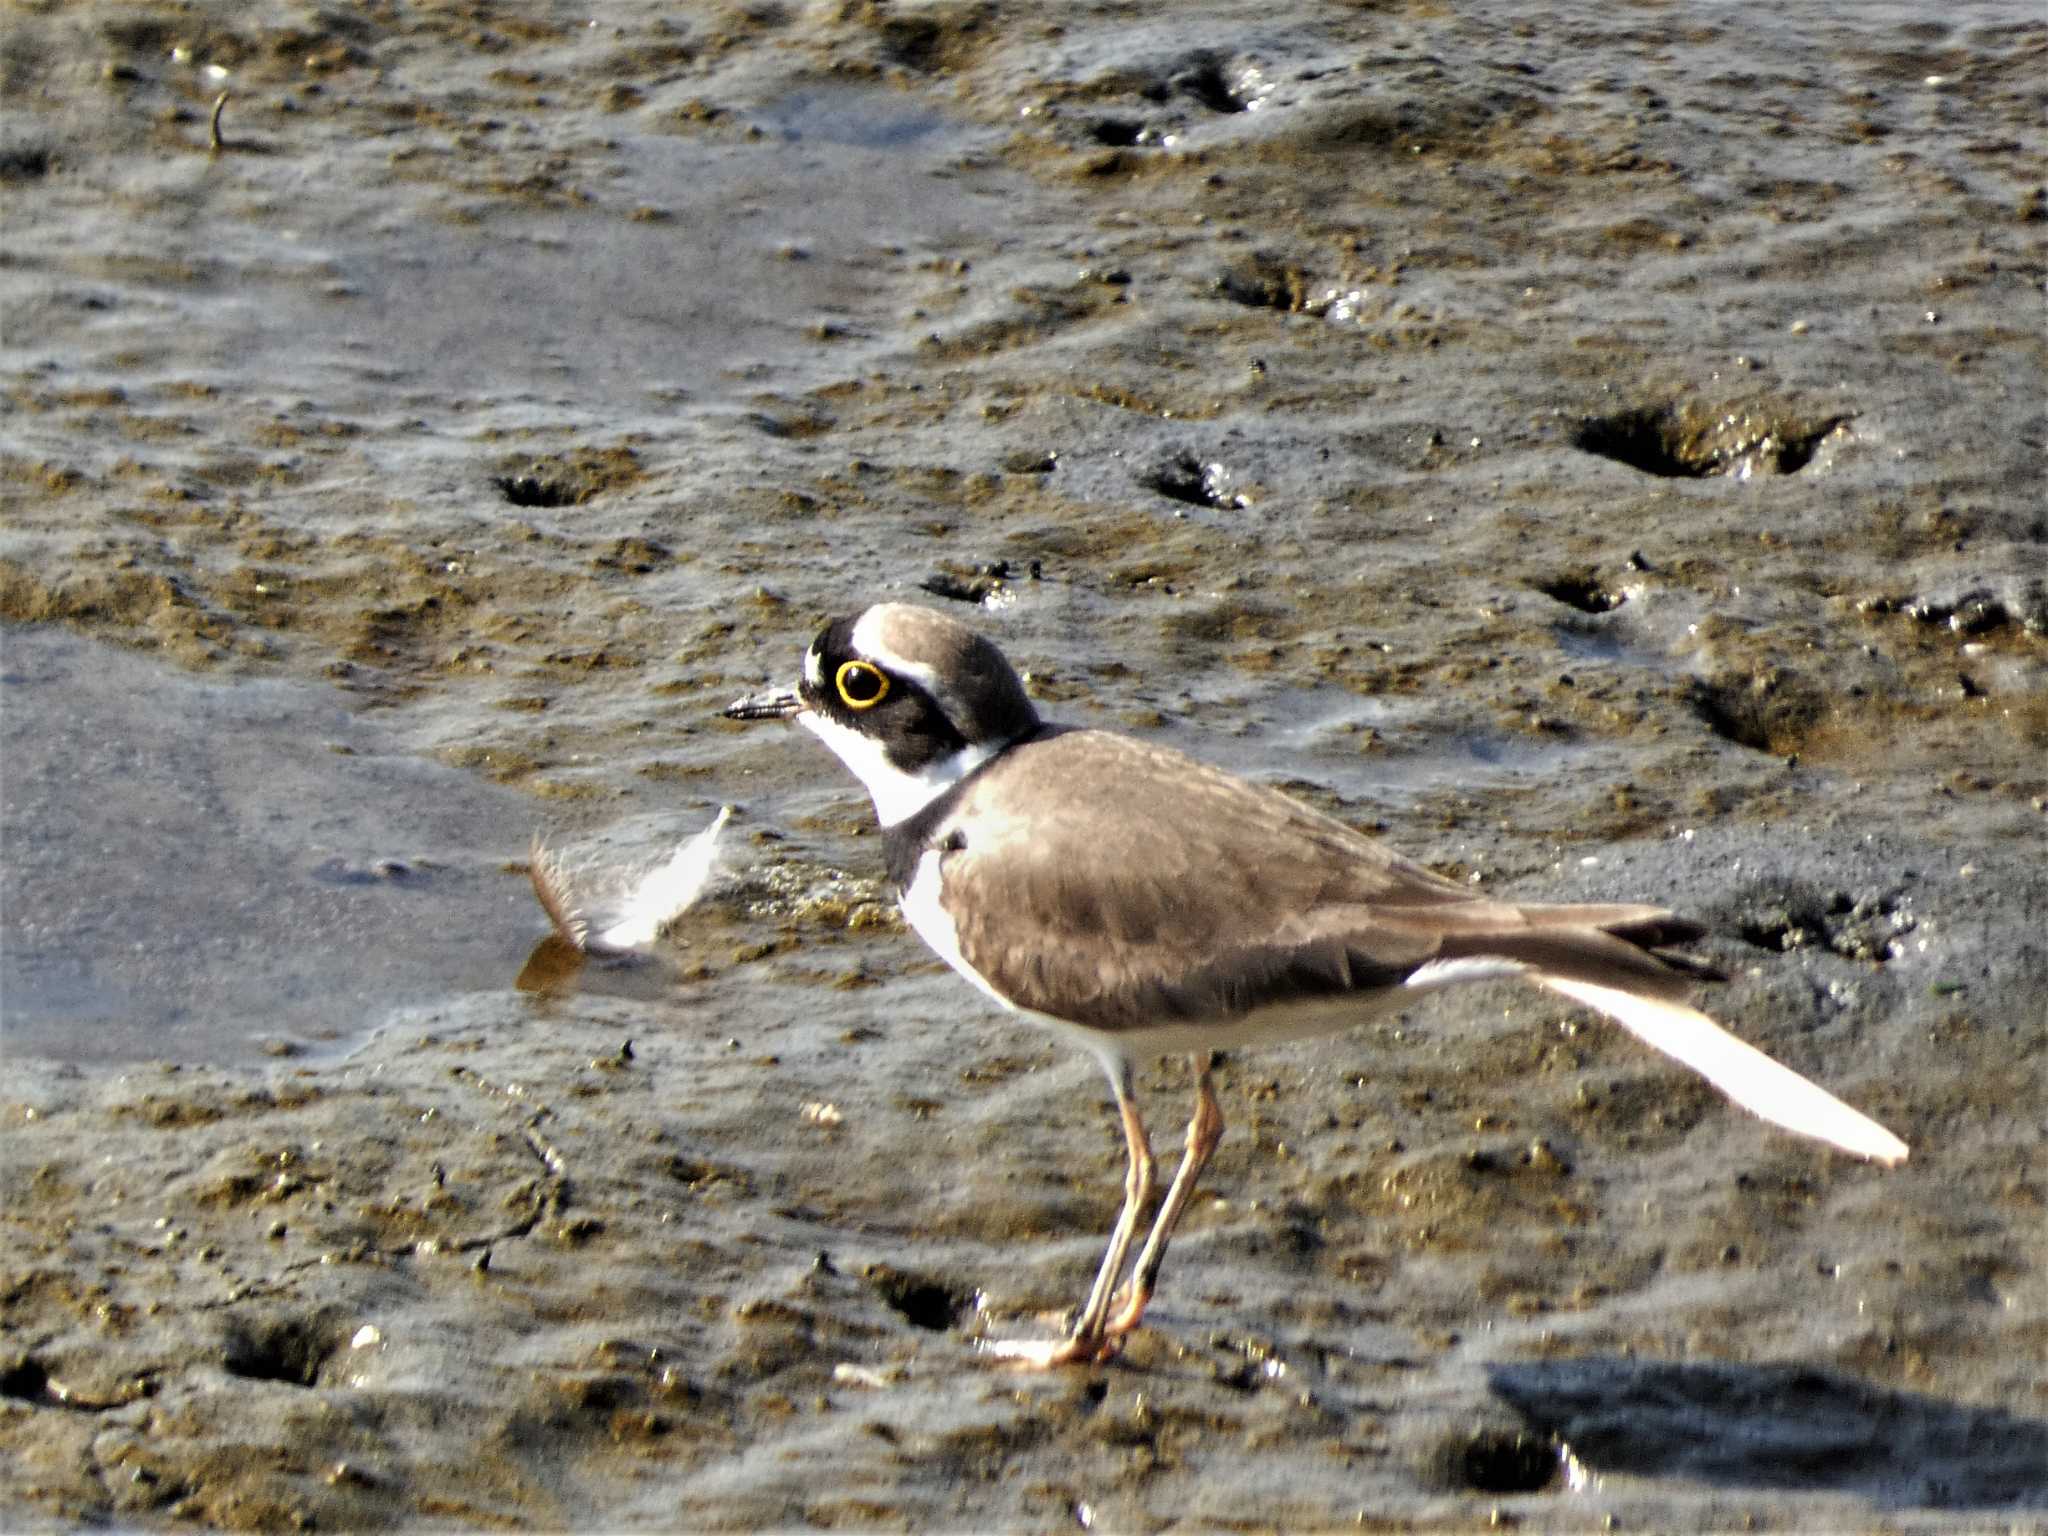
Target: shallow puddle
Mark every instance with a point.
(200, 869)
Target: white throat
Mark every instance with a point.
(898, 796)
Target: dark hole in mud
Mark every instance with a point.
(569, 479)
(532, 491)
(634, 556)
(1690, 445)
(1491, 1461)
(1790, 455)
(1725, 718)
(1640, 439)
(793, 426)
(1266, 282)
(915, 43)
(1116, 132)
(24, 162)
(1786, 918)
(945, 39)
(1774, 711)
(1205, 84)
(1185, 478)
(340, 871)
(978, 588)
(291, 1351)
(24, 1379)
(700, 1175)
(920, 1300)
(1975, 612)
(1580, 590)
(1779, 932)
(599, 1393)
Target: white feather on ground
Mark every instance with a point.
(664, 894)
(1749, 1077)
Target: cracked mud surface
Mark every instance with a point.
(1605, 458)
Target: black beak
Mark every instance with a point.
(777, 704)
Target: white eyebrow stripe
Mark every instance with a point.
(868, 642)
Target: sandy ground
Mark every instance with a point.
(1601, 450)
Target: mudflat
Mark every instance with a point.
(1599, 451)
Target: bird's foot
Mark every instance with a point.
(1130, 1307)
(1044, 1354)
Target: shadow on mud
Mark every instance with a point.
(1780, 1427)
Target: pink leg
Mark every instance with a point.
(1088, 1340)
(1205, 1130)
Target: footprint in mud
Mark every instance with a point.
(1678, 442)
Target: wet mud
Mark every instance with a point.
(1601, 453)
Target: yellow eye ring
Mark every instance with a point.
(861, 684)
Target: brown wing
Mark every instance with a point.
(1147, 903)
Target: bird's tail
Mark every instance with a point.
(1749, 1077)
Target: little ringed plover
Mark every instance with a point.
(1138, 902)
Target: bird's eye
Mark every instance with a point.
(861, 685)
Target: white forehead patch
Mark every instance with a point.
(870, 640)
(814, 668)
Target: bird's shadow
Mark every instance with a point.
(1780, 1427)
